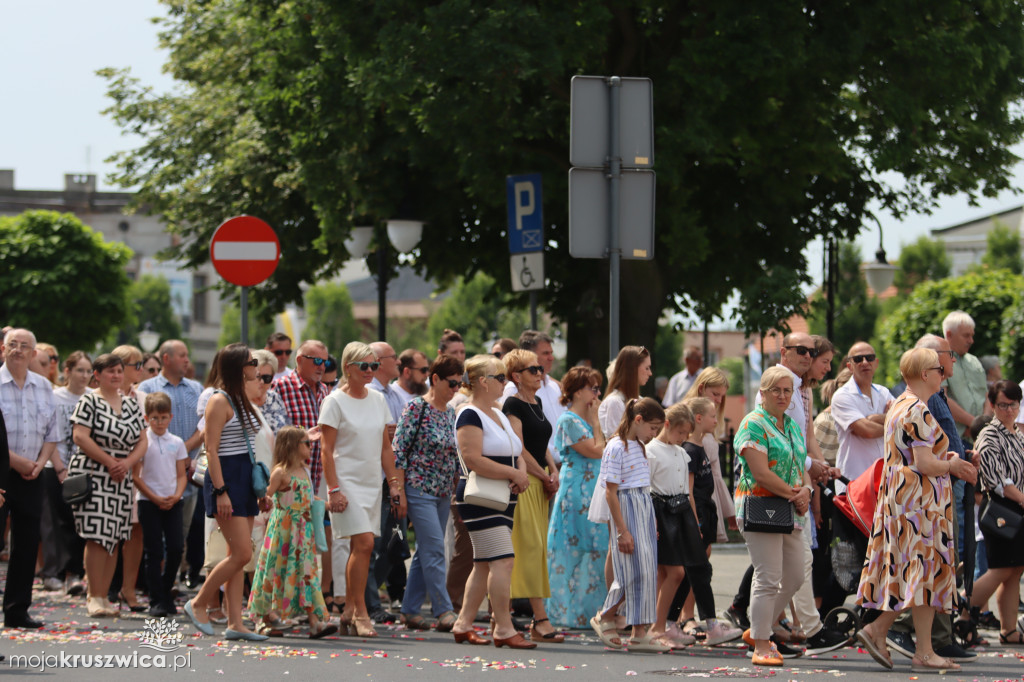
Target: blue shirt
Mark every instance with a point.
(30, 413)
(184, 398)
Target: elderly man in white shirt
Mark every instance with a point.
(681, 382)
(859, 409)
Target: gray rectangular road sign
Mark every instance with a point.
(588, 122)
(588, 214)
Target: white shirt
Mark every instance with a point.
(849, 404)
(286, 372)
(678, 386)
(610, 412)
(670, 468)
(160, 464)
(406, 397)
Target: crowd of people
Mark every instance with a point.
(285, 494)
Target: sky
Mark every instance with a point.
(50, 120)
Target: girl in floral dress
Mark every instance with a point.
(287, 580)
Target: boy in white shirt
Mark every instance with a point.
(160, 480)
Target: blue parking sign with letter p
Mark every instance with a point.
(525, 213)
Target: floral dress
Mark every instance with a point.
(576, 547)
(287, 579)
(910, 550)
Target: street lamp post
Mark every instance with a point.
(404, 235)
(148, 338)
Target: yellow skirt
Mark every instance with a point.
(530, 542)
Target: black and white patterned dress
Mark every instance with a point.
(105, 517)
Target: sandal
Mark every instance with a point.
(268, 630)
(920, 664)
(324, 630)
(606, 632)
(416, 621)
(552, 637)
(881, 658)
(648, 644)
(1004, 638)
(364, 627)
(219, 621)
(446, 621)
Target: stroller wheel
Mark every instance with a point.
(842, 620)
(965, 633)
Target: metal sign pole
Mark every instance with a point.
(533, 310)
(244, 305)
(614, 252)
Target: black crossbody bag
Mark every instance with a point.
(769, 514)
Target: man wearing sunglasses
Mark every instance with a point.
(280, 345)
(303, 393)
(859, 409)
(387, 372)
(413, 366)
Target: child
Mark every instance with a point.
(680, 545)
(160, 482)
(287, 580)
(626, 476)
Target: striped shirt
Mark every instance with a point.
(625, 464)
(1002, 457)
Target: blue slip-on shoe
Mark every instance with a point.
(204, 628)
(243, 636)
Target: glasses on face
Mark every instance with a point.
(330, 384)
(315, 361)
(596, 390)
(534, 370)
(941, 370)
(497, 354)
(22, 346)
(803, 350)
(366, 366)
(1015, 405)
(777, 391)
(284, 353)
(152, 370)
(867, 357)
(453, 383)
(499, 377)
(136, 365)
(949, 352)
(54, 358)
(266, 378)
(421, 370)
(252, 363)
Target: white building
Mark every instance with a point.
(966, 242)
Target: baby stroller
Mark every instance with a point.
(853, 511)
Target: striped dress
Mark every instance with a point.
(635, 585)
(490, 531)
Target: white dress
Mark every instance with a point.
(360, 423)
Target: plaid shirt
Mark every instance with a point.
(302, 404)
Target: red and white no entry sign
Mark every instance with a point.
(245, 250)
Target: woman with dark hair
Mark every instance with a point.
(231, 426)
(111, 438)
(502, 346)
(452, 344)
(576, 547)
(1001, 446)
(631, 370)
(151, 366)
(427, 464)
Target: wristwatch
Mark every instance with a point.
(217, 492)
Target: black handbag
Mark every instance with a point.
(769, 514)
(1001, 518)
(673, 503)
(76, 489)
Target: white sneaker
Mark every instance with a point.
(677, 637)
(720, 633)
(53, 584)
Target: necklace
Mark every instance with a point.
(539, 414)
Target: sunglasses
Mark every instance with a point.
(499, 377)
(252, 363)
(534, 369)
(152, 370)
(279, 352)
(454, 383)
(266, 378)
(366, 366)
(315, 361)
(803, 350)
(54, 358)
(497, 354)
(136, 365)
(857, 359)
(941, 370)
(331, 384)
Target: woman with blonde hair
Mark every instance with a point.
(489, 447)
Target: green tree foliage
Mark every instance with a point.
(60, 279)
(920, 261)
(1002, 249)
(733, 368)
(261, 325)
(150, 298)
(476, 308)
(775, 124)
(666, 356)
(855, 311)
(985, 296)
(329, 317)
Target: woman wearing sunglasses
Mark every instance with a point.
(354, 422)
(525, 412)
(427, 461)
(909, 562)
(269, 400)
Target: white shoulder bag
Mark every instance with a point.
(492, 493)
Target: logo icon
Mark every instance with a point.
(161, 634)
(771, 513)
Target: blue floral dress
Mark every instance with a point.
(576, 546)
